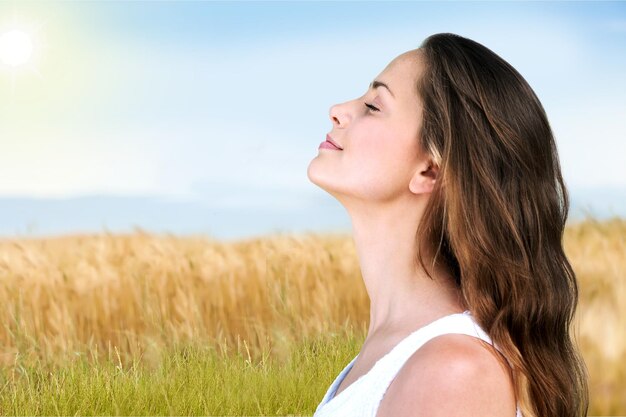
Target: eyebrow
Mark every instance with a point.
(375, 84)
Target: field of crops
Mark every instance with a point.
(159, 324)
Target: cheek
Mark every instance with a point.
(382, 159)
(382, 147)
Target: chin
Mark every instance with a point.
(313, 176)
(311, 172)
(316, 176)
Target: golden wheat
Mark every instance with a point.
(142, 292)
(139, 294)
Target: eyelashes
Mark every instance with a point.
(372, 108)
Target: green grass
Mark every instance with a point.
(188, 380)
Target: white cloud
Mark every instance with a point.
(58, 165)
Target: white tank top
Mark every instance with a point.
(363, 396)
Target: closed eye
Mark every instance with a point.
(369, 106)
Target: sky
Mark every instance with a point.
(202, 117)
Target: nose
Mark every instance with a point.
(339, 115)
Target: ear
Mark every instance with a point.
(424, 178)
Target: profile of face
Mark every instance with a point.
(378, 134)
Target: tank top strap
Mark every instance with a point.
(362, 397)
(460, 323)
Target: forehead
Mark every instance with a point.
(401, 74)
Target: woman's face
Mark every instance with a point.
(378, 134)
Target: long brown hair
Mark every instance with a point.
(496, 217)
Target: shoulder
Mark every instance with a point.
(449, 373)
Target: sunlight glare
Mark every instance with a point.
(16, 48)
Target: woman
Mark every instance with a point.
(449, 171)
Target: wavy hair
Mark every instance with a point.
(496, 217)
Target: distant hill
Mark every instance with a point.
(213, 215)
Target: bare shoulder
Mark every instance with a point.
(450, 373)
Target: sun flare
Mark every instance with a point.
(16, 48)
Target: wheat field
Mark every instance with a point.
(263, 324)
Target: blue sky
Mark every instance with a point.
(216, 108)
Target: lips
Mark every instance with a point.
(329, 139)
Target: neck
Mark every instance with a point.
(400, 292)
